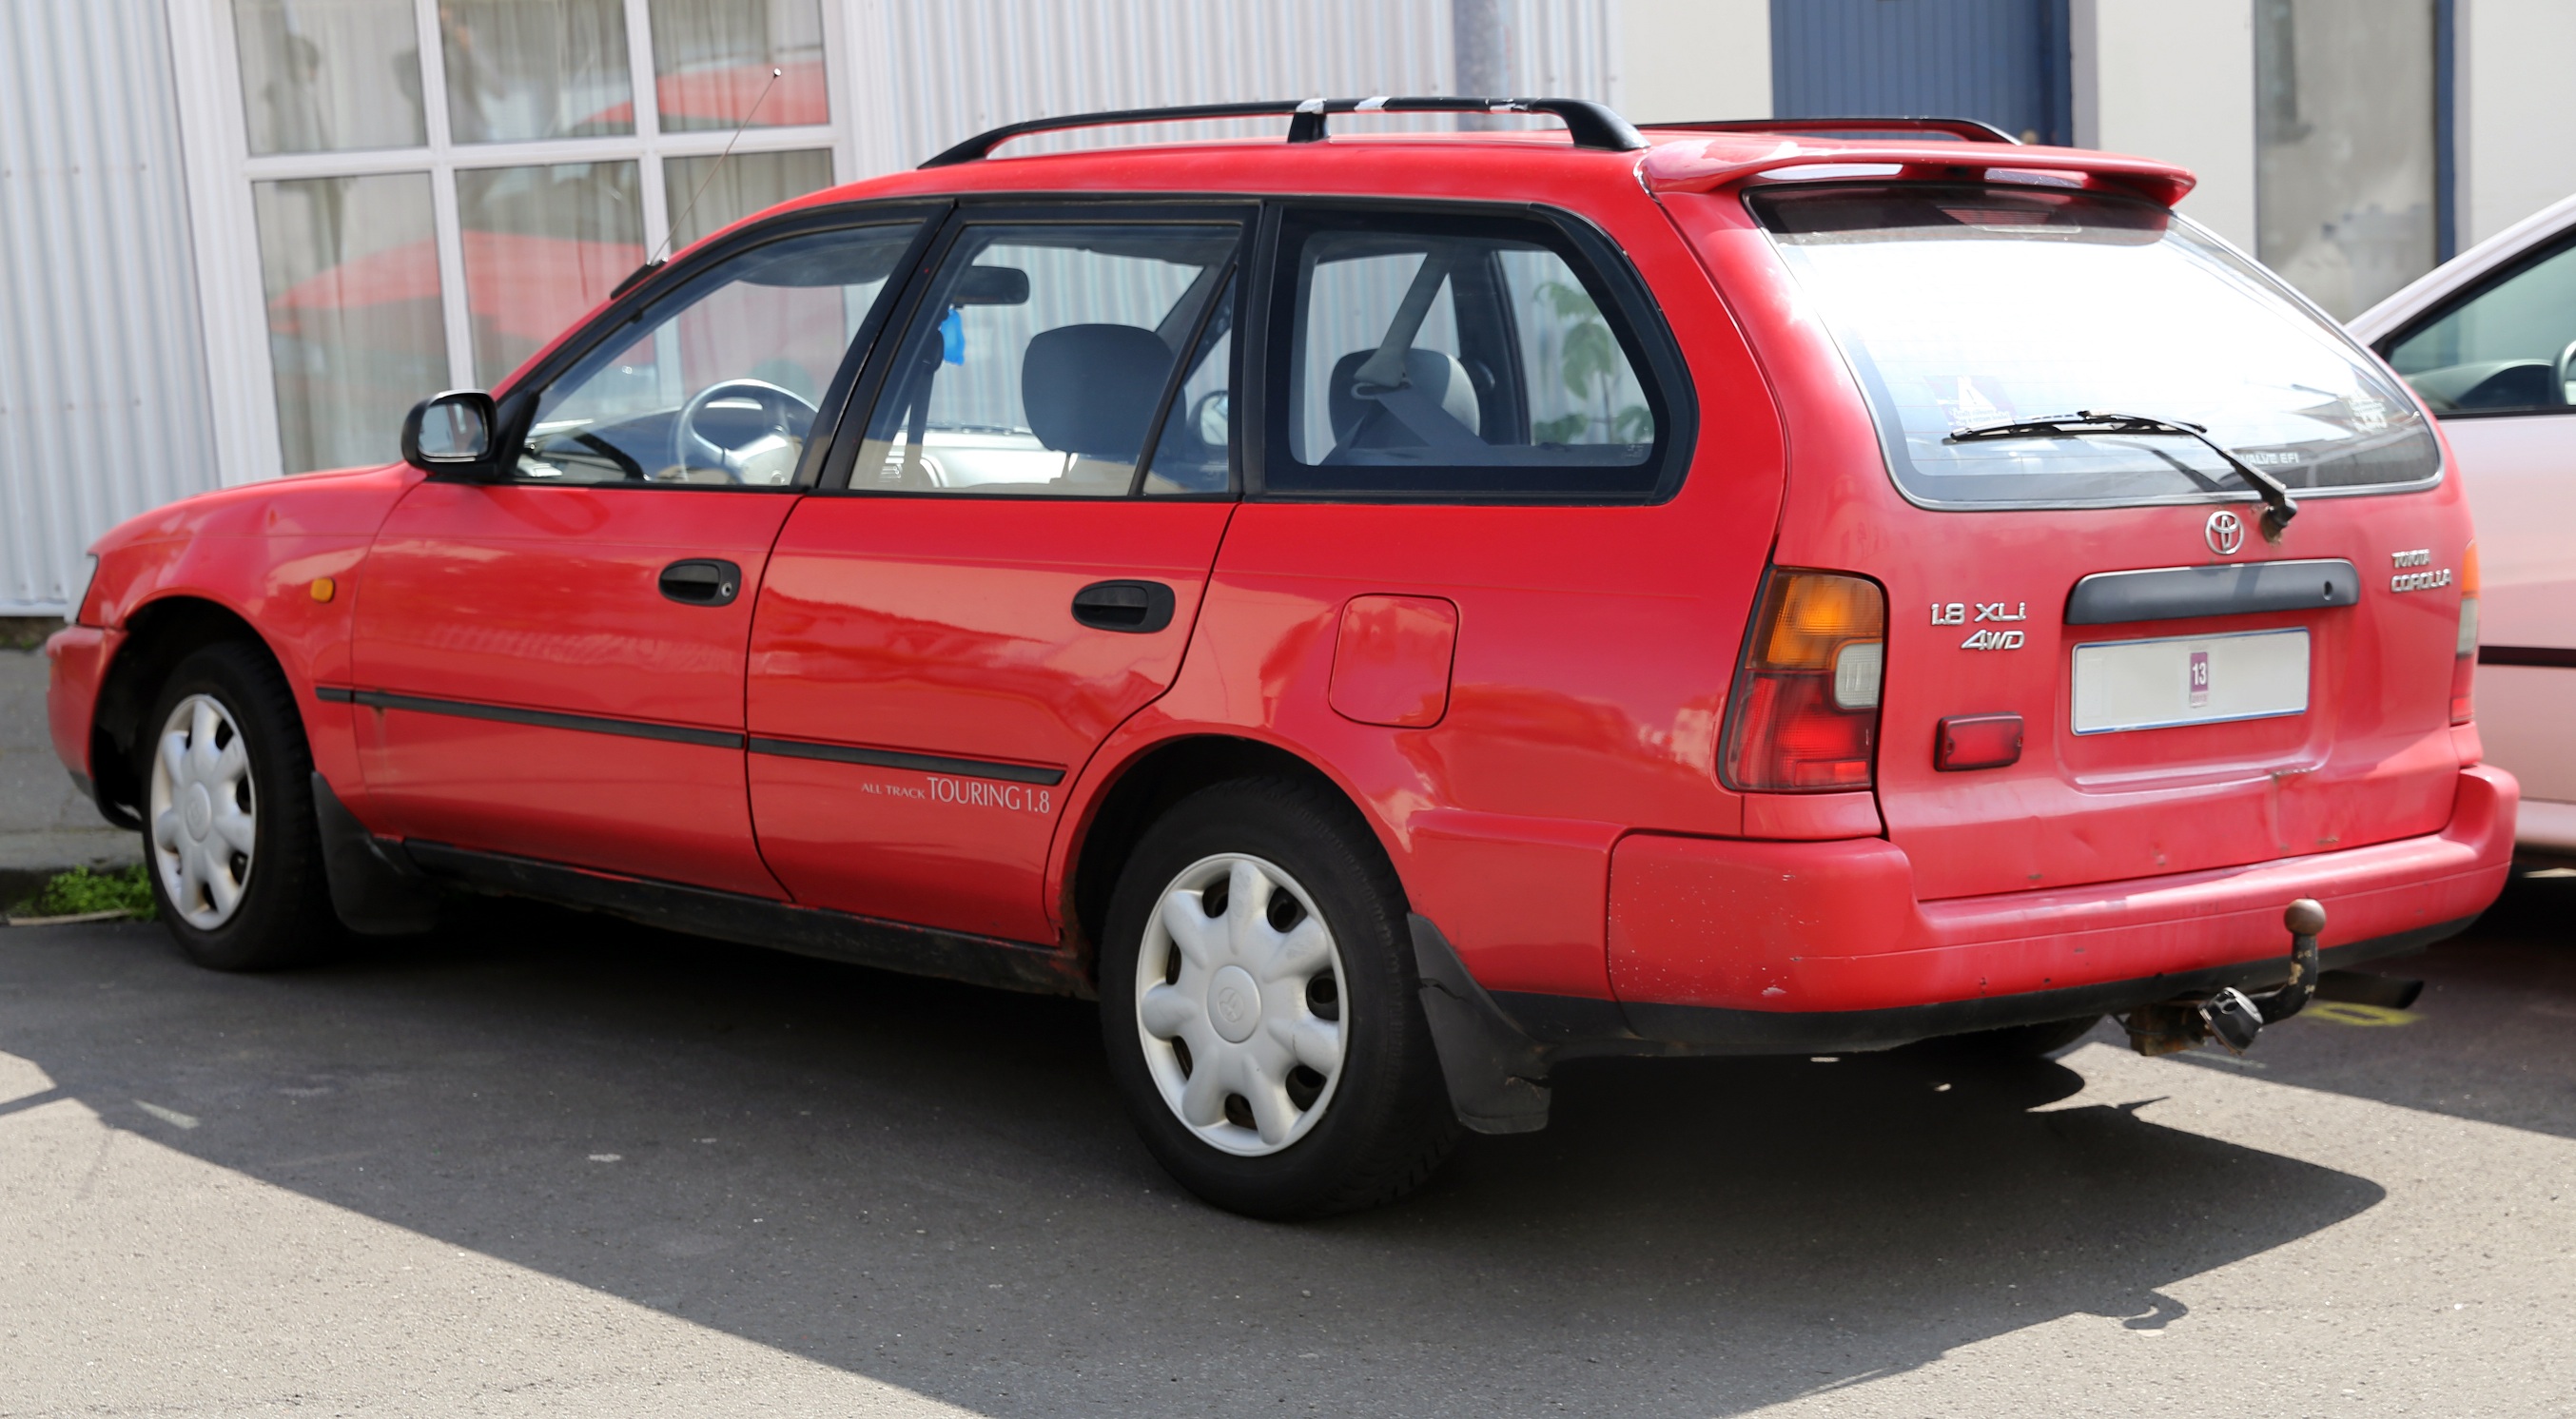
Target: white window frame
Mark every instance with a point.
(215, 139)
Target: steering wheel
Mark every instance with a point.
(776, 419)
(2564, 374)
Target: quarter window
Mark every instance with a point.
(1434, 356)
(2510, 347)
(1042, 357)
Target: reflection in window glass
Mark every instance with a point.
(350, 269)
(722, 386)
(323, 76)
(519, 70)
(1039, 358)
(542, 246)
(2510, 346)
(709, 194)
(2344, 133)
(712, 59)
(1422, 357)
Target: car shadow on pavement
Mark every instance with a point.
(935, 1186)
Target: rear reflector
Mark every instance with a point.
(1804, 714)
(1977, 741)
(2464, 664)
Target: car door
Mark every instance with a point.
(554, 658)
(2498, 366)
(1005, 567)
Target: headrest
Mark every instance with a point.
(1091, 389)
(1438, 375)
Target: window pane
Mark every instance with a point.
(727, 190)
(1194, 453)
(2344, 130)
(350, 268)
(1039, 359)
(519, 70)
(723, 384)
(1430, 359)
(711, 61)
(327, 75)
(542, 246)
(2509, 346)
(1965, 307)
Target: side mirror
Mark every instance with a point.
(450, 433)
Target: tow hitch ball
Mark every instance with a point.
(2230, 1016)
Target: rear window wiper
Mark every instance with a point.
(2278, 506)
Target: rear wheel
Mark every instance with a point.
(1258, 1003)
(228, 827)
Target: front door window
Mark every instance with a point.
(722, 385)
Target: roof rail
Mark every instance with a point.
(1966, 129)
(1589, 124)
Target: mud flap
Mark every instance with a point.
(371, 893)
(1497, 1075)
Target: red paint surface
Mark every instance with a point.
(546, 598)
(1391, 660)
(941, 625)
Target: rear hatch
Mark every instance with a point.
(2200, 683)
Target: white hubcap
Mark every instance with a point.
(1239, 1005)
(203, 813)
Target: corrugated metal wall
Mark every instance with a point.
(952, 68)
(103, 403)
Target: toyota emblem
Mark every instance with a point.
(2225, 533)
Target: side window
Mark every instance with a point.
(1042, 357)
(721, 385)
(2510, 345)
(1431, 356)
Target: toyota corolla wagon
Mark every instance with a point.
(1382, 613)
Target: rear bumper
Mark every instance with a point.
(1745, 945)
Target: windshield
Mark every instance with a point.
(1968, 307)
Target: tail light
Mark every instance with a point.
(2464, 667)
(1804, 714)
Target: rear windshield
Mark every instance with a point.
(1967, 307)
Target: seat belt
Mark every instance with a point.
(1384, 379)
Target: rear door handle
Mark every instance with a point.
(1137, 607)
(702, 581)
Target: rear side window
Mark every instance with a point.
(1964, 308)
(2509, 347)
(1429, 355)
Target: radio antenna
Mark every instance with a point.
(672, 232)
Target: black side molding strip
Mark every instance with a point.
(543, 719)
(895, 759)
(759, 921)
(681, 734)
(2178, 593)
(2559, 657)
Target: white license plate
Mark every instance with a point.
(2190, 680)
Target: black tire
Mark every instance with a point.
(1385, 1124)
(2013, 1043)
(283, 916)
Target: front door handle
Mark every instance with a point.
(1138, 607)
(702, 581)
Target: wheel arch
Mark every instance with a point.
(156, 636)
(1146, 785)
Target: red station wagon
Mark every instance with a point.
(1384, 614)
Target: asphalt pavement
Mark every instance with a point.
(548, 1164)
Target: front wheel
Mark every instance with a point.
(228, 826)
(1258, 1002)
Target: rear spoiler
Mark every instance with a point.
(1704, 165)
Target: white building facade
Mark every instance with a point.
(239, 237)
